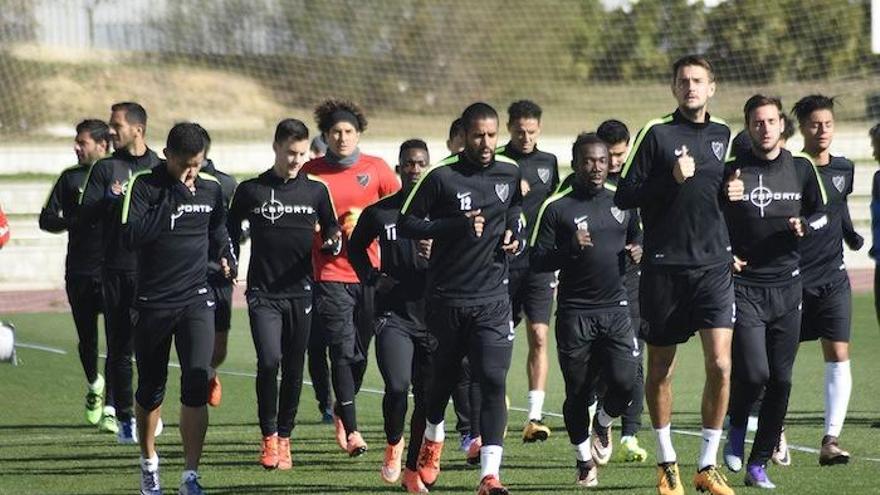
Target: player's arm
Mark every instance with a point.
(331, 233)
(239, 204)
(875, 214)
(636, 186)
(94, 194)
(634, 236)
(364, 233)
(852, 238)
(513, 242)
(546, 255)
(144, 217)
(414, 222)
(813, 214)
(220, 248)
(51, 216)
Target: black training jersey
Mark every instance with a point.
(283, 215)
(822, 254)
(399, 257)
(683, 223)
(541, 171)
(465, 270)
(774, 191)
(228, 185)
(633, 270)
(174, 232)
(99, 202)
(589, 278)
(84, 250)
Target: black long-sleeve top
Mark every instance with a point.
(464, 269)
(85, 253)
(774, 191)
(174, 232)
(283, 215)
(590, 278)
(99, 203)
(228, 185)
(683, 223)
(399, 257)
(822, 254)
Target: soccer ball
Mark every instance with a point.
(7, 342)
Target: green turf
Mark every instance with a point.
(46, 447)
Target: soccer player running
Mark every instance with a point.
(82, 275)
(582, 234)
(284, 207)
(343, 304)
(773, 199)
(531, 292)
(674, 175)
(403, 344)
(616, 135)
(101, 201)
(221, 286)
(827, 299)
(470, 205)
(174, 220)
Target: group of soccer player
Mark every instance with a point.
(688, 232)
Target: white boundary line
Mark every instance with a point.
(245, 374)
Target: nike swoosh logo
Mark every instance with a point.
(580, 219)
(308, 310)
(679, 152)
(211, 304)
(462, 195)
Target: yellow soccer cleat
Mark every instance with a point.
(710, 480)
(668, 481)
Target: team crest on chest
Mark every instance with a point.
(718, 149)
(502, 191)
(618, 214)
(544, 174)
(363, 179)
(839, 182)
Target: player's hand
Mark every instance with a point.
(424, 248)
(796, 224)
(384, 284)
(524, 187)
(116, 188)
(479, 221)
(635, 252)
(510, 244)
(685, 166)
(333, 244)
(227, 270)
(583, 239)
(735, 187)
(738, 264)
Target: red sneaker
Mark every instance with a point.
(491, 485)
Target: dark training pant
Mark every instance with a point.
(280, 329)
(192, 327)
(319, 370)
(346, 313)
(765, 343)
(404, 355)
(595, 345)
(484, 333)
(119, 290)
(86, 303)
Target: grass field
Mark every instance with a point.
(46, 447)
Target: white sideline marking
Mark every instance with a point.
(245, 374)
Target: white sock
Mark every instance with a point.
(109, 411)
(536, 404)
(838, 386)
(188, 475)
(435, 433)
(150, 465)
(709, 447)
(582, 450)
(604, 419)
(591, 411)
(490, 460)
(97, 385)
(665, 452)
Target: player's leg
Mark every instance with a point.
(395, 348)
(422, 381)
(222, 325)
(631, 421)
(319, 371)
(194, 340)
(750, 372)
(537, 303)
(85, 308)
(119, 292)
(837, 321)
(573, 348)
(364, 324)
(266, 318)
(619, 348)
(782, 338)
(491, 349)
(294, 341)
(461, 402)
(152, 345)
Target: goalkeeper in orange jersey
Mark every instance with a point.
(345, 307)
